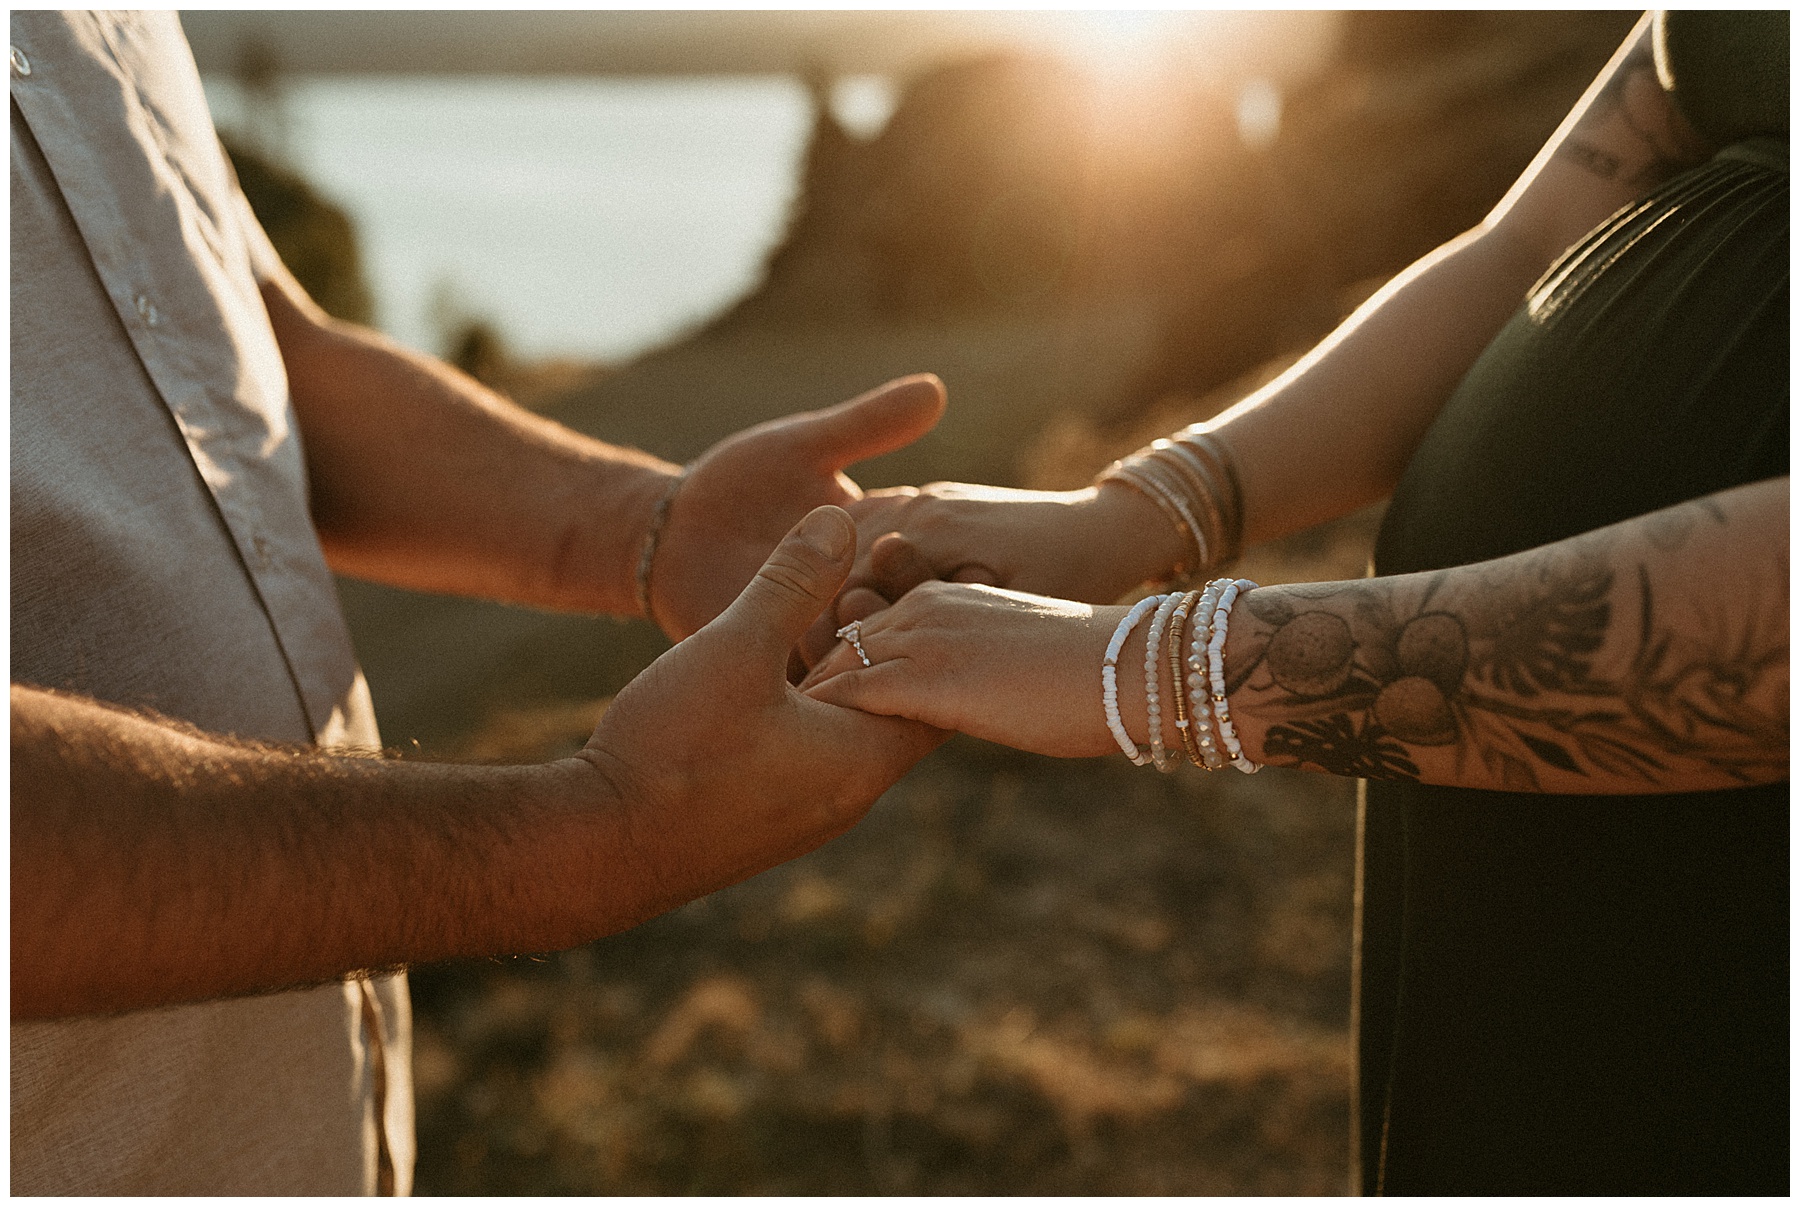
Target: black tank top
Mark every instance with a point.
(1588, 995)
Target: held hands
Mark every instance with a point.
(1017, 669)
(1091, 545)
(747, 490)
(725, 769)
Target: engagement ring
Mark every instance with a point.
(852, 633)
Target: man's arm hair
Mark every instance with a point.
(154, 864)
(421, 477)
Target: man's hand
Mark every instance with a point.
(154, 864)
(723, 768)
(747, 490)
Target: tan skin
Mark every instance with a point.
(420, 477)
(153, 864)
(1624, 660)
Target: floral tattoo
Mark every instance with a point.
(1504, 667)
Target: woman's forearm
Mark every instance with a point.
(1651, 655)
(1333, 433)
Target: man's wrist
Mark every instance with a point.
(596, 562)
(644, 566)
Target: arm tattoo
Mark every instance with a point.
(1632, 131)
(1507, 665)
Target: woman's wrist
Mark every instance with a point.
(1129, 539)
(1228, 632)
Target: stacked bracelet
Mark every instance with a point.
(1202, 711)
(1216, 673)
(1199, 446)
(1184, 724)
(1152, 700)
(1144, 479)
(1192, 480)
(1109, 679)
(1198, 685)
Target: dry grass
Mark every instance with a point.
(1018, 975)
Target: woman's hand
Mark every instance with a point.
(1018, 669)
(1092, 545)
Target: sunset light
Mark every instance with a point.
(603, 601)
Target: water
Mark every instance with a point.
(591, 217)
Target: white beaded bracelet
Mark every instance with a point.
(1199, 687)
(1109, 679)
(1215, 658)
(1152, 699)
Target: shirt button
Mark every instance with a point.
(262, 551)
(147, 310)
(20, 63)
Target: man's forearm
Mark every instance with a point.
(423, 478)
(151, 864)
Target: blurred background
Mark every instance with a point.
(1018, 975)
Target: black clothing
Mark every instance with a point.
(1588, 994)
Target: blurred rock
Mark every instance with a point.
(1019, 185)
(314, 236)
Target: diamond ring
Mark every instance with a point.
(852, 633)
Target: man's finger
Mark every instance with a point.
(896, 565)
(886, 418)
(819, 639)
(797, 582)
(975, 572)
(859, 603)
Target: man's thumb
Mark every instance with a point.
(798, 581)
(886, 418)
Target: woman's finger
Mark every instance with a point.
(975, 572)
(880, 689)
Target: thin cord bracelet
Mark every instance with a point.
(659, 516)
(1215, 450)
(1206, 493)
(1109, 679)
(1175, 487)
(1159, 756)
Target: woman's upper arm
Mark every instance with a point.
(1624, 137)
